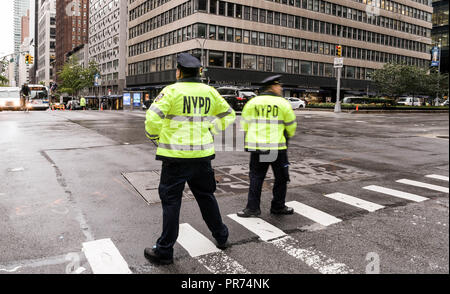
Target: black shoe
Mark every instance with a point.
(249, 213)
(223, 246)
(284, 210)
(153, 257)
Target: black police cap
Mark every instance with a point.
(186, 60)
(272, 80)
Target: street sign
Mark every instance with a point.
(338, 62)
(97, 80)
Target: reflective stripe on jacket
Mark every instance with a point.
(184, 118)
(267, 120)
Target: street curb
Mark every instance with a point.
(352, 111)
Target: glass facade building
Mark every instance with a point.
(242, 42)
(440, 30)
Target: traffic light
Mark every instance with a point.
(31, 59)
(339, 50)
(28, 59)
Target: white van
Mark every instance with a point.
(9, 98)
(409, 101)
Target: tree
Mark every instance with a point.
(75, 77)
(400, 79)
(3, 66)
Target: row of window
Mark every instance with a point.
(105, 55)
(229, 34)
(144, 8)
(272, 17)
(160, 20)
(383, 4)
(257, 63)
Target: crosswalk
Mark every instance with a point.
(217, 261)
(104, 257)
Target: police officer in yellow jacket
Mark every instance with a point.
(268, 121)
(183, 119)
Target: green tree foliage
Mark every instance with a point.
(396, 80)
(3, 79)
(75, 77)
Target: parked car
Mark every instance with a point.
(409, 101)
(73, 105)
(353, 100)
(296, 103)
(236, 97)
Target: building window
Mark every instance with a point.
(249, 62)
(216, 58)
(305, 67)
(279, 65)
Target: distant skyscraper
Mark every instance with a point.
(20, 9)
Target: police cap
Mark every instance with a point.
(186, 60)
(272, 80)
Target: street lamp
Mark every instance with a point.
(202, 46)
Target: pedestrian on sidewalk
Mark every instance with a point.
(182, 120)
(83, 103)
(269, 122)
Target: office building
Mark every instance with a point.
(241, 42)
(440, 31)
(20, 9)
(107, 39)
(46, 41)
(71, 28)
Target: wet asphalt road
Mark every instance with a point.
(62, 184)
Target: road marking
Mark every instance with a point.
(105, 258)
(195, 243)
(396, 193)
(313, 214)
(220, 263)
(263, 229)
(206, 253)
(279, 239)
(424, 185)
(443, 178)
(312, 257)
(350, 200)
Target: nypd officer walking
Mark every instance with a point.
(269, 122)
(183, 119)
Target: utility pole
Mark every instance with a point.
(338, 63)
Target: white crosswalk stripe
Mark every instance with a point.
(396, 193)
(105, 258)
(359, 203)
(264, 230)
(312, 257)
(206, 253)
(438, 177)
(424, 185)
(313, 214)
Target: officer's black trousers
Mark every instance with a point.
(201, 181)
(258, 171)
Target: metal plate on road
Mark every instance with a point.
(234, 179)
(146, 184)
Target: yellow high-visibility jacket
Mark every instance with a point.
(183, 119)
(267, 120)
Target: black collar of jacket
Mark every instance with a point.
(269, 94)
(190, 80)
